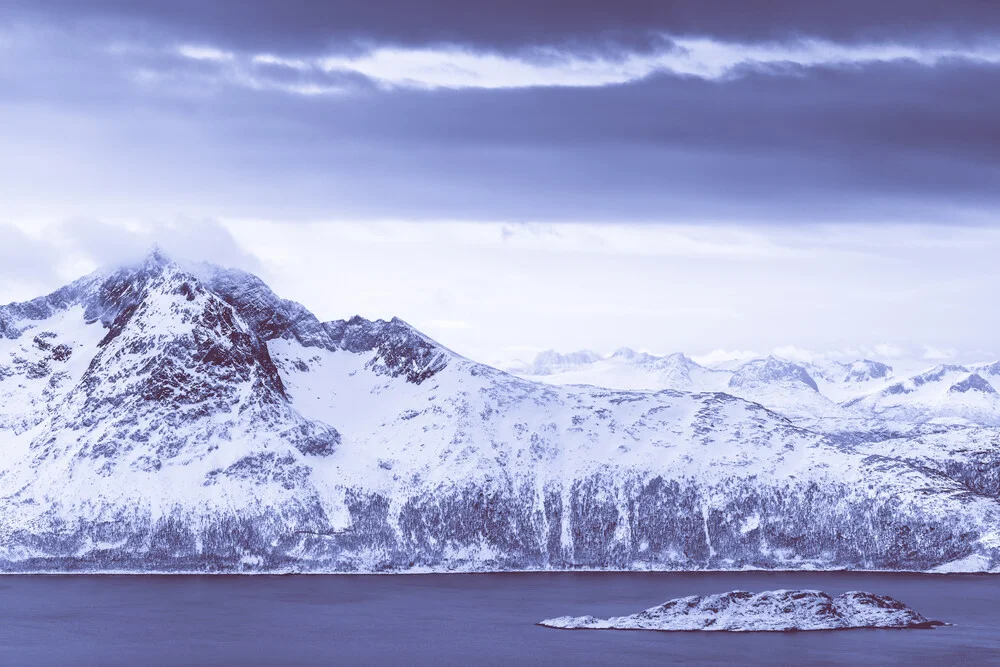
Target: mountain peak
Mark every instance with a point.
(771, 371)
(550, 360)
(991, 369)
(973, 382)
(157, 255)
(864, 370)
(176, 373)
(681, 358)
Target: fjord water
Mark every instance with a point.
(460, 620)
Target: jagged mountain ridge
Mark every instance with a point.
(163, 418)
(831, 391)
(623, 369)
(945, 391)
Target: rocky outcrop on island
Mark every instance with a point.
(770, 611)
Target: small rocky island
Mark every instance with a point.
(770, 611)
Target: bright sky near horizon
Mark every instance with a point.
(500, 292)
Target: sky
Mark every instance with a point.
(719, 177)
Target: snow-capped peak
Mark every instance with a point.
(974, 382)
(550, 361)
(770, 372)
(867, 370)
(944, 392)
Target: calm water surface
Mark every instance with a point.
(459, 620)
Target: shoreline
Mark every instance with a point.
(418, 573)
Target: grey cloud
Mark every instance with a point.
(34, 264)
(299, 26)
(896, 140)
(284, 75)
(195, 240)
(881, 140)
(947, 111)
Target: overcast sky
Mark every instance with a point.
(690, 175)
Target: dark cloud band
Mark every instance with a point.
(893, 140)
(883, 141)
(311, 25)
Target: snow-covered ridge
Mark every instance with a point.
(771, 611)
(830, 391)
(160, 417)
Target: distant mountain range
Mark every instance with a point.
(831, 390)
(166, 417)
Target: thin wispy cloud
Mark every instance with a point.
(460, 68)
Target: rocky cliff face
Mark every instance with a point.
(165, 418)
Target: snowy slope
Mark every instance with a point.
(841, 382)
(782, 385)
(799, 391)
(830, 395)
(200, 422)
(624, 369)
(943, 393)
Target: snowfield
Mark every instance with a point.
(771, 611)
(169, 418)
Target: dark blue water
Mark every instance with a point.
(459, 620)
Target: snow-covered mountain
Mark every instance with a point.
(841, 395)
(943, 393)
(840, 381)
(624, 369)
(161, 417)
(627, 369)
(783, 385)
